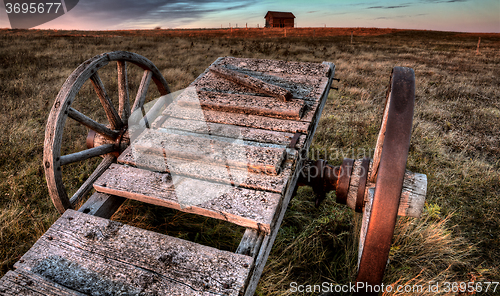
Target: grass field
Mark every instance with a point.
(455, 142)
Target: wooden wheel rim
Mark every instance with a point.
(395, 136)
(59, 113)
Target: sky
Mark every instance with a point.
(441, 15)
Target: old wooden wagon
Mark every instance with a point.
(231, 146)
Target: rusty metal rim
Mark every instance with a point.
(390, 178)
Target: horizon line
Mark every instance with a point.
(228, 28)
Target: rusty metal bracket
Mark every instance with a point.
(295, 140)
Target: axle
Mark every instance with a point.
(351, 182)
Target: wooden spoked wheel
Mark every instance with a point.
(113, 135)
(388, 170)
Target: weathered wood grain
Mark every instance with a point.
(212, 151)
(230, 131)
(209, 172)
(303, 88)
(143, 90)
(251, 82)
(245, 207)
(123, 94)
(278, 66)
(365, 220)
(21, 282)
(246, 104)
(380, 141)
(92, 124)
(245, 120)
(111, 114)
(86, 154)
(250, 243)
(97, 256)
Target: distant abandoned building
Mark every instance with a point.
(277, 19)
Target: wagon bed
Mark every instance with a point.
(237, 130)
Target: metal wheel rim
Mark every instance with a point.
(389, 176)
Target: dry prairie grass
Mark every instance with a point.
(455, 142)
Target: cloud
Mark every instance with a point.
(443, 1)
(388, 7)
(120, 13)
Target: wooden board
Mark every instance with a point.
(200, 170)
(304, 69)
(251, 82)
(245, 207)
(229, 131)
(95, 256)
(305, 81)
(210, 150)
(21, 282)
(246, 104)
(246, 120)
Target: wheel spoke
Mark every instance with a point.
(113, 118)
(86, 154)
(143, 90)
(124, 103)
(91, 124)
(87, 185)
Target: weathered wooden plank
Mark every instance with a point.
(310, 110)
(230, 131)
(250, 242)
(245, 207)
(304, 88)
(208, 172)
(101, 205)
(308, 88)
(246, 120)
(246, 104)
(210, 150)
(21, 282)
(277, 66)
(97, 256)
(251, 82)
